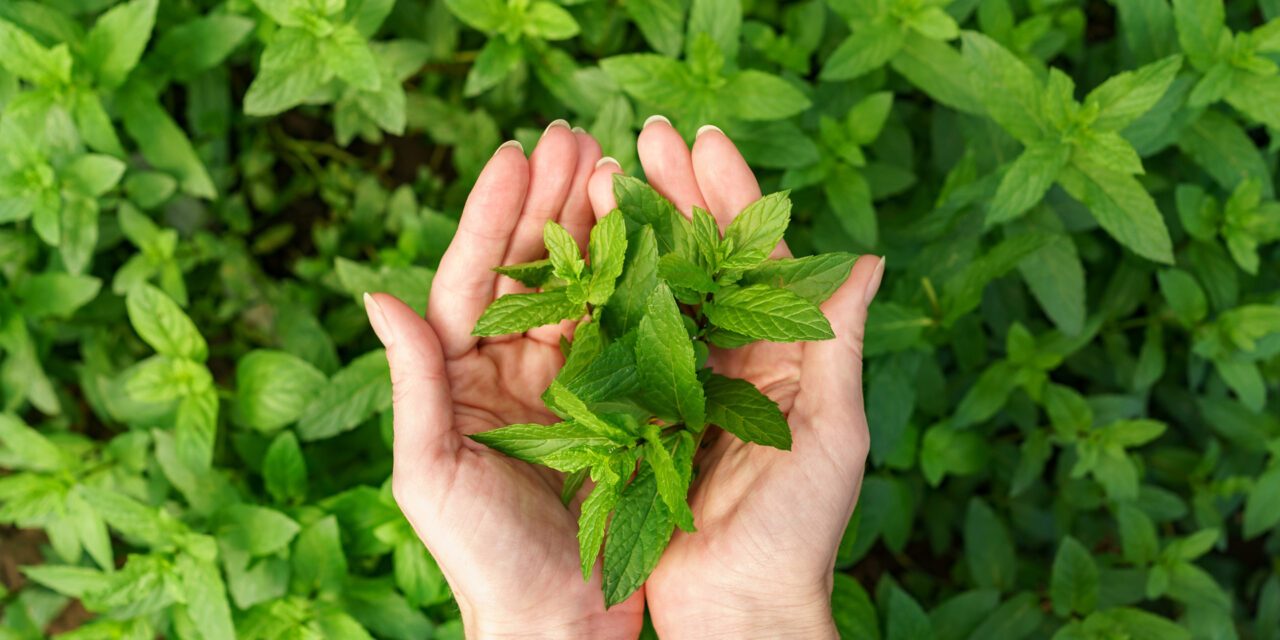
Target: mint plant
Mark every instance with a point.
(658, 291)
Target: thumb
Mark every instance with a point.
(422, 408)
(832, 370)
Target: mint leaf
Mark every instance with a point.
(352, 395)
(680, 272)
(584, 348)
(672, 484)
(706, 237)
(531, 274)
(1027, 180)
(987, 547)
(284, 470)
(814, 278)
(759, 228)
(608, 250)
(738, 407)
(611, 374)
(1011, 94)
(1125, 96)
(638, 532)
(273, 388)
(571, 406)
(163, 325)
(595, 515)
(665, 361)
(768, 313)
(516, 313)
(536, 442)
(623, 311)
(1073, 585)
(1123, 208)
(117, 40)
(870, 46)
(642, 205)
(1200, 26)
(563, 251)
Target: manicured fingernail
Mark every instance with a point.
(556, 123)
(378, 320)
(607, 160)
(655, 118)
(705, 128)
(874, 284)
(578, 130)
(508, 144)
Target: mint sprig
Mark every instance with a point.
(656, 291)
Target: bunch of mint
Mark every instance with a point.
(635, 394)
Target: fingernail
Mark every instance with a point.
(705, 128)
(578, 130)
(508, 144)
(378, 320)
(874, 284)
(559, 122)
(655, 118)
(607, 160)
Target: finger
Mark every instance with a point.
(551, 170)
(576, 216)
(667, 164)
(424, 439)
(600, 189)
(463, 285)
(724, 179)
(577, 219)
(831, 373)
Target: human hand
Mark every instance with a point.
(494, 524)
(769, 521)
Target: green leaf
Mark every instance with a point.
(195, 428)
(623, 311)
(201, 43)
(661, 22)
(1223, 149)
(164, 144)
(117, 40)
(1137, 535)
(273, 388)
(849, 195)
(767, 313)
(608, 250)
(497, 60)
(1016, 618)
(1200, 29)
(1007, 88)
(671, 487)
(531, 274)
(92, 175)
(347, 54)
(1262, 509)
(36, 451)
(293, 68)
(906, 620)
(536, 443)
(869, 48)
(641, 205)
(24, 57)
(564, 254)
(940, 71)
(571, 406)
(482, 15)
(738, 407)
(1183, 295)
(595, 511)
(638, 532)
(1027, 180)
(162, 324)
(206, 597)
(987, 548)
(354, 394)
(258, 531)
(947, 450)
(1055, 275)
(665, 362)
(516, 313)
(679, 272)
(549, 21)
(1125, 96)
(319, 563)
(1123, 208)
(1074, 582)
(760, 226)
(814, 278)
(284, 470)
(756, 95)
(963, 291)
(56, 294)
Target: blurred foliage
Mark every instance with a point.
(1070, 369)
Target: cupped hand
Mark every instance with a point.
(769, 521)
(496, 525)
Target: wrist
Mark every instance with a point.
(540, 624)
(746, 614)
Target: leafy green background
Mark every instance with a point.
(1068, 368)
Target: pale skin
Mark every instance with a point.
(768, 521)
